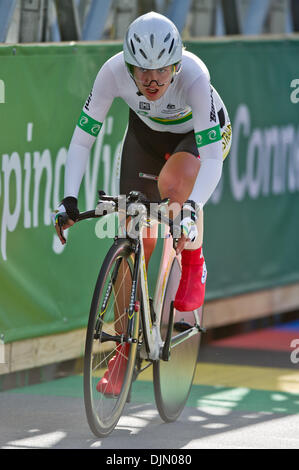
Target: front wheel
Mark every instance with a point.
(173, 379)
(108, 354)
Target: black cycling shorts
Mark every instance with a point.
(144, 151)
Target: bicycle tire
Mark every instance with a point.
(173, 379)
(103, 412)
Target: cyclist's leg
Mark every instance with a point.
(176, 181)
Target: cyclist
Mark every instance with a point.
(174, 112)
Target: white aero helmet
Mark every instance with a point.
(152, 42)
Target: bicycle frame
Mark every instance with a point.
(154, 343)
(152, 338)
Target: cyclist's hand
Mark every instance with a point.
(65, 217)
(61, 222)
(188, 225)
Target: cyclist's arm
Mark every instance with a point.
(88, 126)
(208, 138)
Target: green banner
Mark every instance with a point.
(251, 226)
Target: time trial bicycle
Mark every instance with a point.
(145, 331)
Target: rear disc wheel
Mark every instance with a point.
(173, 379)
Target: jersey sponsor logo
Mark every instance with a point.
(83, 121)
(226, 139)
(198, 139)
(88, 124)
(95, 129)
(143, 105)
(143, 113)
(208, 136)
(86, 106)
(212, 112)
(212, 134)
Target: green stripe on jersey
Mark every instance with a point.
(88, 124)
(208, 136)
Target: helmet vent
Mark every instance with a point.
(161, 53)
(152, 40)
(132, 46)
(171, 46)
(137, 38)
(143, 53)
(167, 37)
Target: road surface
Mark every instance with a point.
(245, 396)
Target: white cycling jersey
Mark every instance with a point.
(190, 102)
